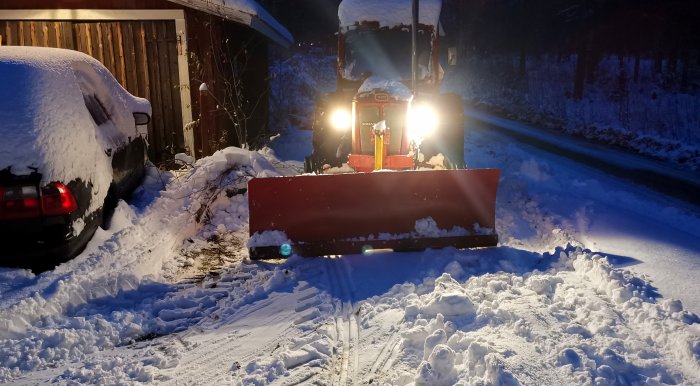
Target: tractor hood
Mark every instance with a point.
(393, 88)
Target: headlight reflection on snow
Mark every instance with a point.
(285, 249)
(369, 250)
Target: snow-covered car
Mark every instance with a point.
(73, 142)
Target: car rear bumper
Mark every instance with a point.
(41, 242)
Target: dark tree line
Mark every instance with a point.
(628, 26)
(667, 31)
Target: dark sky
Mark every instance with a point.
(540, 25)
(307, 20)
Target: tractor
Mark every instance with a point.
(377, 82)
(387, 170)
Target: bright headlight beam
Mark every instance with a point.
(340, 119)
(423, 121)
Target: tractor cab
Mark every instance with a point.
(367, 50)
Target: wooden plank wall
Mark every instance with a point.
(88, 4)
(142, 56)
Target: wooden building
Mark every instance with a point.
(163, 50)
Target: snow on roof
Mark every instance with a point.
(44, 122)
(389, 13)
(247, 12)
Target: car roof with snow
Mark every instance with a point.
(45, 124)
(388, 13)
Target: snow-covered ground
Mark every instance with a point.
(592, 283)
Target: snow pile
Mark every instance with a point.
(388, 13)
(424, 228)
(344, 168)
(427, 227)
(59, 315)
(504, 328)
(268, 238)
(448, 299)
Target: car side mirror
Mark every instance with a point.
(142, 118)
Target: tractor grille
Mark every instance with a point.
(369, 116)
(395, 117)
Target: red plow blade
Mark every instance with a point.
(350, 213)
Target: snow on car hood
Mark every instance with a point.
(389, 13)
(44, 123)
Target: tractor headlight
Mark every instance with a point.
(422, 122)
(341, 119)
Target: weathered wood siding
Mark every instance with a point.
(87, 4)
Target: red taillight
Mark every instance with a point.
(56, 199)
(23, 201)
(19, 202)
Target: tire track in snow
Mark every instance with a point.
(345, 368)
(212, 355)
(384, 358)
(218, 353)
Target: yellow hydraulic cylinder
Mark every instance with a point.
(379, 129)
(379, 152)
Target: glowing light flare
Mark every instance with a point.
(341, 119)
(285, 250)
(422, 122)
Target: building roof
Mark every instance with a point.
(247, 12)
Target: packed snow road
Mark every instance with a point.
(167, 295)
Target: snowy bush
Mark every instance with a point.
(295, 83)
(647, 113)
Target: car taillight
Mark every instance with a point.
(19, 202)
(56, 199)
(24, 201)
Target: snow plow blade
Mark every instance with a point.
(322, 215)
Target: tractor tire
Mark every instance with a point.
(449, 137)
(329, 146)
(452, 117)
(327, 150)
